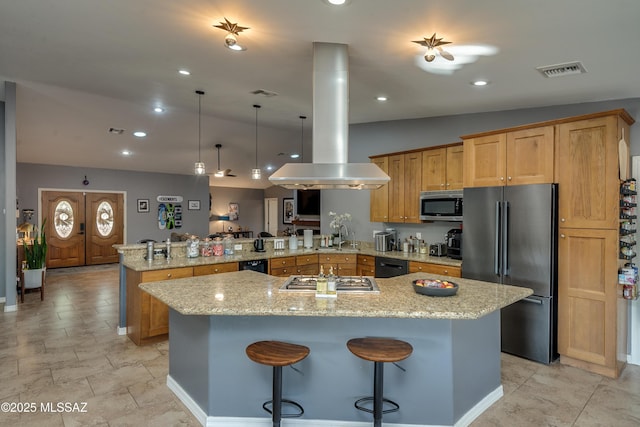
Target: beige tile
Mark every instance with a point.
(102, 409)
(111, 380)
(133, 355)
(77, 369)
(162, 414)
(16, 384)
(151, 392)
(611, 403)
(47, 360)
(158, 367)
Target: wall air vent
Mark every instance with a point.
(567, 69)
(265, 93)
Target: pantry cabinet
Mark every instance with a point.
(515, 157)
(442, 168)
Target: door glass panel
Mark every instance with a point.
(63, 219)
(104, 218)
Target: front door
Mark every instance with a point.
(82, 227)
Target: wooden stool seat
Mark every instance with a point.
(380, 349)
(276, 353)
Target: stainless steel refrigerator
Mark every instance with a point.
(511, 237)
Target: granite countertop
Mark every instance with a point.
(138, 263)
(249, 293)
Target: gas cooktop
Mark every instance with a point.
(344, 284)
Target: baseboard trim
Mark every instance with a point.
(212, 421)
(121, 331)
(10, 308)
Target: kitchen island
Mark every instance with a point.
(452, 376)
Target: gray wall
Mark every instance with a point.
(386, 137)
(250, 208)
(137, 185)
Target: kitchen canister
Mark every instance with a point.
(293, 242)
(308, 239)
(193, 247)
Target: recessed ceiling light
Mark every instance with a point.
(158, 110)
(140, 134)
(337, 2)
(269, 167)
(381, 98)
(126, 152)
(480, 83)
(294, 155)
(184, 72)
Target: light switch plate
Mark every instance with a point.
(375, 232)
(419, 236)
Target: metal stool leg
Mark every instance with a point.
(277, 396)
(378, 378)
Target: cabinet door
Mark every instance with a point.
(455, 167)
(485, 160)
(587, 171)
(412, 185)
(530, 156)
(379, 198)
(587, 294)
(396, 188)
(434, 169)
(427, 267)
(224, 267)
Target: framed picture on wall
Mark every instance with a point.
(194, 205)
(287, 211)
(233, 212)
(143, 205)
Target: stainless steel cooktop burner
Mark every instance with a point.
(350, 284)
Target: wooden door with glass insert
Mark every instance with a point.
(64, 212)
(105, 227)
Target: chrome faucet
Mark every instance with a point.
(340, 241)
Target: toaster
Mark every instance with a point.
(438, 249)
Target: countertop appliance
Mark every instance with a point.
(441, 205)
(390, 267)
(259, 265)
(454, 243)
(344, 284)
(511, 237)
(438, 249)
(384, 241)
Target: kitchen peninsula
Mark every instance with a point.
(452, 376)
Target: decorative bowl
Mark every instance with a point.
(430, 288)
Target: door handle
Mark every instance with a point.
(81, 228)
(496, 249)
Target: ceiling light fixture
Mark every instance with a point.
(433, 47)
(184, 72)
(199, 167)
(255, 172)
(233, 30)
(381, 98)
(480, 82)
(158, 110)
(139, 134)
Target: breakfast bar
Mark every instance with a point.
(452, 376)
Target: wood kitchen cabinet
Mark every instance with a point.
(405, 171)
(343, 264)
(365, 265)
(514, 157)
(283, 266)
(427, 267)
(592, 316)
(148, 317)
(379, 198)
(442, 168)
(224, 267)
(307, 264)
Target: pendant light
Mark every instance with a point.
(256, 173)
(199, 168)
(302, 138)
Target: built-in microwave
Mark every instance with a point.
(441, 205)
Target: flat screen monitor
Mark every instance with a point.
(308, 202)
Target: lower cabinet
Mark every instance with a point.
(427, 267)
(307, 265)
(225, 267)
(147, 317)
(343, 264)
(283, 267)
(366, 265)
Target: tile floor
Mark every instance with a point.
(65, 349)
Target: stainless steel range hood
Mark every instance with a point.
(330, 131)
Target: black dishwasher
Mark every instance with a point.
(260, 265)
(391, 267)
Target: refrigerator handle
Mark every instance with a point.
(496, 249)
(535, 301)
(505, 239)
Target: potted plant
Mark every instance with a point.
(35, 257)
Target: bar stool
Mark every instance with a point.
(277, 354)
(379, 351)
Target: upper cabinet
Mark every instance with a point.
(515, 157)
(379, 203)
(405, 171)
(442, 168)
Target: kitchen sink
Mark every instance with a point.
(336, 250)
(344, 284)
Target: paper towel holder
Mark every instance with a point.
(308, 239)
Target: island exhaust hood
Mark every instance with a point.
(330, 132)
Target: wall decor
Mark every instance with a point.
(287, 211)
(194, 205)
(233, 212)
(169, 216)
(143, 205)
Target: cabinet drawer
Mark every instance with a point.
(166, 274)
(366, 260)
(288, 261)
(283, 271)
(306, 259)
(426, 267)
(346, 270)
(337, 258)
(366, 270)
(224, 267)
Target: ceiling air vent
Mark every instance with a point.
(265, 93)
(116, 131)
(567, 69)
